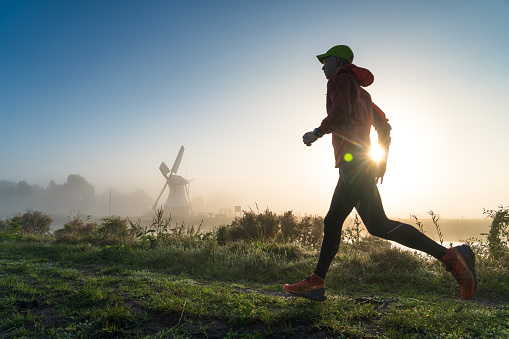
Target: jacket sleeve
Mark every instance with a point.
(382, 127)
(338, 104)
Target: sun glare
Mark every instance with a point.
(376, 151)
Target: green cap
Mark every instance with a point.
(342, 51)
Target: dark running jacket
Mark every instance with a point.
(350, 113)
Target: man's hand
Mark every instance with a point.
(380, 170)
(309, 138)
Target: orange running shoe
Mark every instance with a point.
(460, 261)
(313, 287)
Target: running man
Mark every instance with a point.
(350, 114)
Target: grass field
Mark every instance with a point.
(192, 287)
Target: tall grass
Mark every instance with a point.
(434, 219)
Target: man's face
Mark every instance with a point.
(331, 66)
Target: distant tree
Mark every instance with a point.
(15, 197)
(23, 189)
(76, 194)
(78, 188)
(7, 188)
(53, 189)
(7, 191)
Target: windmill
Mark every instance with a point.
(178, 197)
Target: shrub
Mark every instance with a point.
(269, 223)
(156, 232)
(311, 228)
(10, 229)
(268, 226)
(34, 222)
(75, 231)
(244, 227)
(160, 233)
(290, 230)
(3, 225)
(222, 234)
(114, 230)
(253, 226)
(498, 236)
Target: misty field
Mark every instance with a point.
(120, 278)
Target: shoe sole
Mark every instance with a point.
(464, 263)
(316, 295)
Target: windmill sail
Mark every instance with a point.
(176, 164)
(164, 169)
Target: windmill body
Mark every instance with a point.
(177, 202)
(178, 196)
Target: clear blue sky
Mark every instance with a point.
(109, 89)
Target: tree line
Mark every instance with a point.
(75, 196)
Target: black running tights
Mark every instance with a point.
(357, 189)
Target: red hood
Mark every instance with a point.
(364, 76)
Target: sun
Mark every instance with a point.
(376, 152)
